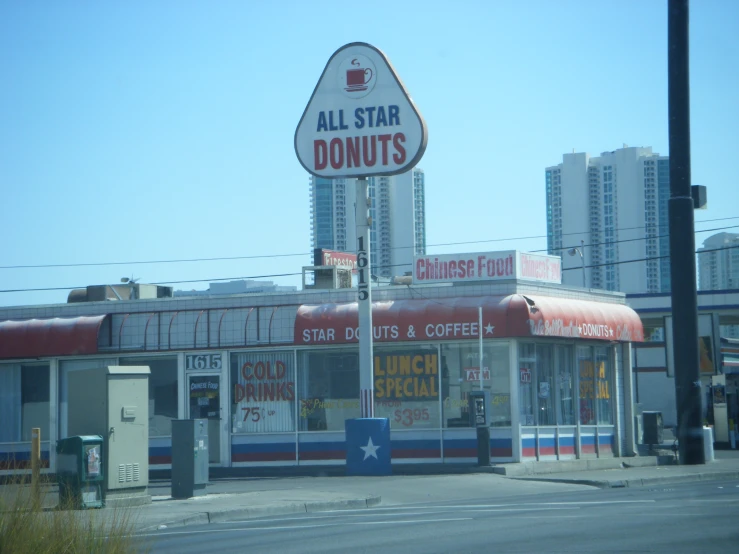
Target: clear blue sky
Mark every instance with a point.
(135, 131)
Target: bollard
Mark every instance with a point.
(36, 465)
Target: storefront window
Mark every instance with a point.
(460, 367)
(586, 373)
(565, 386)
(24, 401)
(406, 382)
(526, 373)
(263, 392)
(545, 388)
(603, 374)
(162, 392)
(329, 389)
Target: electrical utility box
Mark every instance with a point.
(653, 428)
(189, 457)
(113, 402)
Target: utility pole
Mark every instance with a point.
(682, 242)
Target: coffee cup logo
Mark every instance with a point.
(357, 76)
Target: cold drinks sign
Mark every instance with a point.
(360, 120)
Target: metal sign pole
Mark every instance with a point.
(479, 331)
(364, 274)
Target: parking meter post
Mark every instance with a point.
(36, 465)
(480, 418)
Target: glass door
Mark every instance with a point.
(205, 403)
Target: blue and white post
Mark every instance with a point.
(367, 438)
(364, 298)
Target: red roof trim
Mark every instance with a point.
(457, 319)
(35, 338)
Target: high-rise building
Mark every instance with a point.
(718, 262)
(718, 269)
(603, 212)
(398, 214)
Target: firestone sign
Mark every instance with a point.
(486, 266)
(360, 120)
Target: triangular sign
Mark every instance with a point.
(360, 120)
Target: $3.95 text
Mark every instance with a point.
(407, 417)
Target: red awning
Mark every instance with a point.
(515, 315)
(36, 338)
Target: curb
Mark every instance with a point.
(644, 482)
(219, 516)
(532, 468)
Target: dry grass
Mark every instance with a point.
(26, 526)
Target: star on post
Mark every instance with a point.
(370, 450)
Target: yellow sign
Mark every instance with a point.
(406, 377)
(590, 386)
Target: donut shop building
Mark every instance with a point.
(277, 375)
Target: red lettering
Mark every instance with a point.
(320, 152)
(250, 392)
(369, 161)
(420, 270)
(238, 393)
(347, 150)
(246, 374)
(337, 153)
(399, 156)
(259, 370)
(290, 391)
(384, 139)
(279, 370)
(352, 152)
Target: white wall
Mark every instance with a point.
(575, 214)
(402, 217)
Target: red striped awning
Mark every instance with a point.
(36, 338)
(515, 315)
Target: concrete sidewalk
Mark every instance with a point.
(164, 512)
(628, 472)
(250, 494)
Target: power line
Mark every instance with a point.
(606, 243)
(384, 267)
(164, 282)
(270, 256)
(564, 234)
(42, 266)
(645, 259)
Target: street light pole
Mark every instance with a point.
(580, 252)
(582, 259)
(682, 242)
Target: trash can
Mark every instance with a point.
(653, 428)
(79, 470)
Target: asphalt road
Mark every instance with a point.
(693, 517)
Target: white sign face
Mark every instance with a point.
(360, 120)
(487, 266)
(540, 267)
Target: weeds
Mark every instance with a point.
(36, 524)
